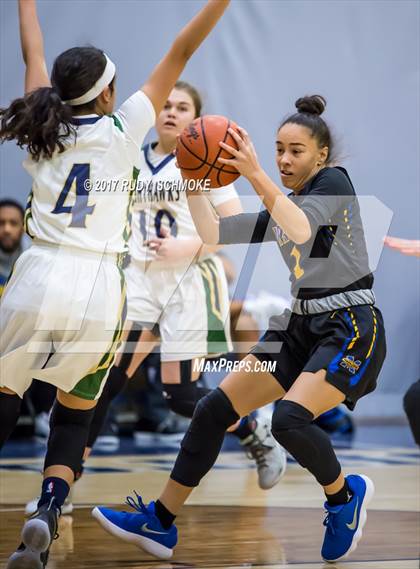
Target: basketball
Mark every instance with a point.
(198, 151)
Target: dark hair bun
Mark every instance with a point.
(313, 105)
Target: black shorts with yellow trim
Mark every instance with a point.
(348, 343)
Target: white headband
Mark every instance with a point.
(104, 80)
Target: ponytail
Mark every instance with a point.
(39, 121)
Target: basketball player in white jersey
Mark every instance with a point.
(66, 296)
(177, 288)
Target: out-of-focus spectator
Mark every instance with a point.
(11, 237)
(412, 397)
(412, 409)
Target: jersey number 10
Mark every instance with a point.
(158, 223)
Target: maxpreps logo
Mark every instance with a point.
(350, 364)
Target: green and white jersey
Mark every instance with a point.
(82, 196)
(161, 201)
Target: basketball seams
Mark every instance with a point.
(219, 170)
(211, 170)
(202, 162)
(193, 154)
(203, 130)
(188, 149)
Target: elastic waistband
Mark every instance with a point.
(333, 302)
(76, 251)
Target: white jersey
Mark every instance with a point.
(82, 196)
(161, 201)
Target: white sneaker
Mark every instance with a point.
(270, 457)
(264, 306)
(108, 439)
(67, 508)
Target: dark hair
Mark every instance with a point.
(12, 203)
(309, 111)
(40, 120)
(193, 93)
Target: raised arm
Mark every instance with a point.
(166, 73)
(205, 217)
(32, 44)
(233, 229)
(283, 211)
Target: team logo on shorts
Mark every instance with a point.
(350, 364)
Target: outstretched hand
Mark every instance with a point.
(245, 159)
(405, 246)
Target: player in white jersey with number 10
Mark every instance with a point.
(63, 308)
(172, 276)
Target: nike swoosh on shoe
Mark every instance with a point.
(148, 530)
(353, 524)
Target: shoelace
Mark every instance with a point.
(328, 522)
(258, 452)
(139, 506)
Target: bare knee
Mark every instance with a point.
(7, 391)
(74, 402)
(171, 372)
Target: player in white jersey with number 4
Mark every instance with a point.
(63, 308)
(177, 288)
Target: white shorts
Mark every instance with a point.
(61, 318)
(190, 305)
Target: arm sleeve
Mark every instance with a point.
(222, 195)
(331, 193)
(246, 228)
(137, 116)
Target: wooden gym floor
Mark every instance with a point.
(229, 522)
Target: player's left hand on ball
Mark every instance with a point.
(245, 158)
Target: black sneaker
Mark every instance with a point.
(38, 534)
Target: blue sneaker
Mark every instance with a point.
(142, 528)
(344, 523)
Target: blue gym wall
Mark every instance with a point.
(363, 56)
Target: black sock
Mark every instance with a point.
(164, 515)
(341, 497)
(245, 429)
(54, 487)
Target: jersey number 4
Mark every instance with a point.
(78, 177)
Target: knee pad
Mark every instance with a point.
(182, 398)
(115, 383)
(185, 371)
(289, 415)
(68, 436)
(9, 412)
(203, 440)
(293, 428)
